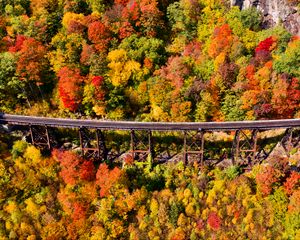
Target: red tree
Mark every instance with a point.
(265, 45)
(286, 97)
(292, 183)
(266, 179)
(73, 167)
(69, 87)
(100, 35)
(79, 211)
(87, 171)
(69, 163)
(97, 81)
(221, 41)
(175, 71)
(141, 17)
(75, 27)
(122, 2)
(214, 220)
(32, 59)
(106, 178)
(193, 50)
(86, 54)
(99, 94)
(18, 44)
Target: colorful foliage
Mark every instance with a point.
(267, 177)
(32, 61)
(214, 221)
(106, 178)
(292, 183)
(100, 35)
(169, 201)
(266, 45)
(161, 60)
(18, 43)
(221, 41)
(69, 87)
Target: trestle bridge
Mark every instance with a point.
(246, 141)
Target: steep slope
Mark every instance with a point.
(275, 11)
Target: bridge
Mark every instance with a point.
(92, 140)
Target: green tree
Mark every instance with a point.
(251, 18)
(289, 62)
(231, 107)
(67, 50)
(11, 88)
(145, 50)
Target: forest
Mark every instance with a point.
(146, 60)
(62, 196)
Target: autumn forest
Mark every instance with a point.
(145, 60)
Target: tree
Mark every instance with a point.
(107, 179)
(290, 60)
(122, 69)
(292, 182)
(266, 45)
(286, 97)
(94, 96)
(222, 41)
(148, 51)
(266, 179)
(100, 35)
(251, 18)
(150, 18)
(32, 62)
(73, 23)
(69, 163)
(96, 6)
(18, 43)
(214, 221)
(67, 51)
(69, 87)
(141, 17)
(175, 72)
(17, 5)
(231, 107)
(11, 89)
(184, 16)
(167, 92)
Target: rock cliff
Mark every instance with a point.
(275, 11)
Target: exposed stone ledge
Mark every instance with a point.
(274, 11)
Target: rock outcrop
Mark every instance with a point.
(275, 11)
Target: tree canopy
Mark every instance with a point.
(157, 60)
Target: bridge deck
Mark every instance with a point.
(156, 126)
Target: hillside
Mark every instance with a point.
(274, 12)
(146, 60)
(63, 196)
(149, 60)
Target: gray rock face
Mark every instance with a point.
(274, 11)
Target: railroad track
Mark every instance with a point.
(154, 126)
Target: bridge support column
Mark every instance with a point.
(193, 145)
(244, 146)
(289, 140)
(141, 144)
(40, 136)
(92, 144)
